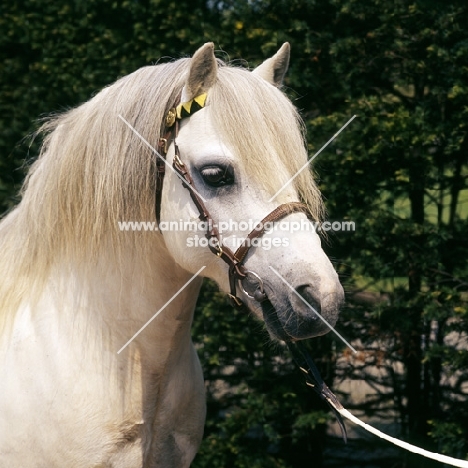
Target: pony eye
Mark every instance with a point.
(217, 176)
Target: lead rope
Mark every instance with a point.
(315, 381)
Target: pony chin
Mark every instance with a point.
(287, 324)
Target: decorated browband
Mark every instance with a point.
(185, 109)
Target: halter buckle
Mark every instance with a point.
(163, 145)
(235, 301)
(178, 161)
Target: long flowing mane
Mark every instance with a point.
(93, 171)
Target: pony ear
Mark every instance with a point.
(202, 74)
(274, 68)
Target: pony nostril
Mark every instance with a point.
(310, 296)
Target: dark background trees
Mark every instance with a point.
(400, 172)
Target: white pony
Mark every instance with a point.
(75, 288)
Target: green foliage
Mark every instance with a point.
(400, 173)
(449, 437)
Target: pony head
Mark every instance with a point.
(245, 150)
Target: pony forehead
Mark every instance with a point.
(258, 122)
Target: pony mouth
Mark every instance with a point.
(273, 323)
(285, 323)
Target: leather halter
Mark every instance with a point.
(235, 260)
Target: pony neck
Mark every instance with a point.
(117, 294)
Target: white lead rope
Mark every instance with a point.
(411, 448)
(315, 381)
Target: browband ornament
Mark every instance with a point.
(185, 109)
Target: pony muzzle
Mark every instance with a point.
(310, 313)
